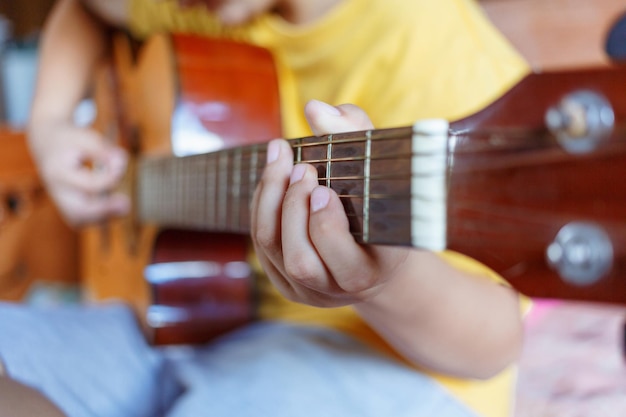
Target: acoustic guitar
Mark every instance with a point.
(187, 285)
(531, 185)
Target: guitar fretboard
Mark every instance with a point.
(391, 183)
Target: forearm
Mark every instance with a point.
(73, 43)
(446, 320)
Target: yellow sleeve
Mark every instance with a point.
(467, 264)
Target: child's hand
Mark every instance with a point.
(80, 170)
(300, 229)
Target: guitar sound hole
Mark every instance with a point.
(14, 204)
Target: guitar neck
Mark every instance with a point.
(391, 183)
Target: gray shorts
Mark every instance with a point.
(93, 361)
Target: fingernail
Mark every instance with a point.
(297, 173)
(319, 198)
(273, 150)
(327, 108)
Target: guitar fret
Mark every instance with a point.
(253, 176)
(205, 195)
(236, 188)
(366, 186)
(142, 191)
(244, 185)
(329, 157)
(167, 189)
(178, 180)
(157, 190)
(298, 145)
(202, 171)
(170, 204)
(214, 187)
(254, 161)
(222, 212)
(162, 189)
(151, 203)
(248, 181)
(184, 203)
(200, 190)
(191, 216)
(179, 186)
(194, 209)
(187, 204)
(171, 211)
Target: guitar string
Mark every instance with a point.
(494, 140)
(381, 177)
(508, 145)
(494, 212)
(496, 222)
(478, 232)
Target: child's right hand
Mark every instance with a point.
(80, 170)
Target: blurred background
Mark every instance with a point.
(20, 24)
(29, 222)
(549, 33)
(573, 363)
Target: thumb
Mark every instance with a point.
(100, 153)
(325, 119)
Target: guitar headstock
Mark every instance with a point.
(536, 188)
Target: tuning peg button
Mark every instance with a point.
(581, 121)
(581, 253)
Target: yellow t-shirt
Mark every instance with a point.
(400, 60)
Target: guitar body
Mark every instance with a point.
(29, 225)
(180, 95)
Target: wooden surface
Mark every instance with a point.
(35, 243)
